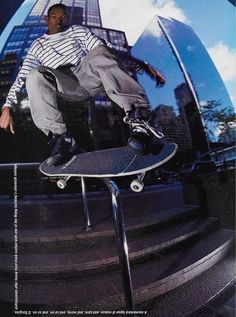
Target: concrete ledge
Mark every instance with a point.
(215, 193)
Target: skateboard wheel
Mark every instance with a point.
(61, 183)
(136, 185)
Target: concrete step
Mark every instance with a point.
(66, 210)
(203, 296)
(165, 272)
(51, 239)
(71, 262)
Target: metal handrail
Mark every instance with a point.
(121, 240)
(220, 149)
(19, 165)
(118, 216)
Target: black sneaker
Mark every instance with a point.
(143, 138)
(63, 147)
(139, 139)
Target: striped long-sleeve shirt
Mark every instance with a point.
(59, 49)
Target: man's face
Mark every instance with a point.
(56, 20)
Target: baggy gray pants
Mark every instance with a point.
(99, 71)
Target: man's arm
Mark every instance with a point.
(6, 118)
(151, 71)
(30, 62)
(135, 64)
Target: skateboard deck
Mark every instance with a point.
(113, 162)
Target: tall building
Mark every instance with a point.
(194, 133)
(173, 127)
(83, 12)
(233, 2)
(194, 89)
(8, 8)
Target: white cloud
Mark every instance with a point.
(224, 59)
(190, 48)
(132, 16)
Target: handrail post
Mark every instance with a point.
(86, 208)
(121, 242)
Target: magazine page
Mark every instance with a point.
(117, 129)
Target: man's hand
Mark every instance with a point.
(156, 75)
(137, 65)
(151, 71)
(6, 120)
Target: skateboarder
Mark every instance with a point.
(72, 62)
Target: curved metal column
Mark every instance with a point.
(121, 242)
(86, 209)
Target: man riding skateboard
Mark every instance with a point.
(70, 61)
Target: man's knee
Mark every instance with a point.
(35, 75)
(32, 77)
(100, 51)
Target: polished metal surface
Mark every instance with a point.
(86, 208)
(121, 242)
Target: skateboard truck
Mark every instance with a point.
(137, 184)
(62, 182)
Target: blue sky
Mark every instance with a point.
(212, 20)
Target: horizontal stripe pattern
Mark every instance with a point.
(55, 50)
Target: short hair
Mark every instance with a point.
(58, 5)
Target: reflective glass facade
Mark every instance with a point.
(84, 12)
(193, 108)
(8, 9)
(21, 39)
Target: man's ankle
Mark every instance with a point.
(139, 113)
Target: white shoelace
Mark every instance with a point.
(71, 141)
(138, 128)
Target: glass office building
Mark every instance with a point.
(193, 108)
(8, 9)
(86, 12)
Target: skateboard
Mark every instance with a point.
(115, 162)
